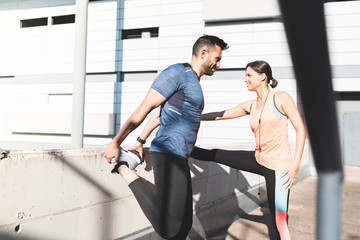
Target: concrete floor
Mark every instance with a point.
(302, 213)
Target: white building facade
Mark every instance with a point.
(130, 42)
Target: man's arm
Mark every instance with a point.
(152, 100)
(153, 123)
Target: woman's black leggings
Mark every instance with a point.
(169, 206)
(245, 160)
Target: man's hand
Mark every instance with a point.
(112, 150)
(139, 148)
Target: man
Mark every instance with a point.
(177, 90)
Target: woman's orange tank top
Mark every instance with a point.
(271, 135)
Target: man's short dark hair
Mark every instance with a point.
(209, 41)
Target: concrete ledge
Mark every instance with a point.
(71, 194)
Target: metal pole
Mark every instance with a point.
(328, 211)
(304, 23)
(77, 131)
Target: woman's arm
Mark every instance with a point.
(240, 110)
(288, 107)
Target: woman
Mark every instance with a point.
(269, 114)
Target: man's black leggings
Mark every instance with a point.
(169, 206)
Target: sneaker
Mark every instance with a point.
(130, 158)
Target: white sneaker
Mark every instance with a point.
(130, 158)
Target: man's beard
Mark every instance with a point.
(209, 70)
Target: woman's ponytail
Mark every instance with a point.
(274, 83)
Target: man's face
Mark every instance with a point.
(212, 60)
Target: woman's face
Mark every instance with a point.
(253, 79)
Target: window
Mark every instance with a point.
(347, 96)
(245, 10)
(140, 33)
(63, 19)
(35, 22)
(10, 76)
(138, 76)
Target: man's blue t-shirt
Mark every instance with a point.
(181, 112)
